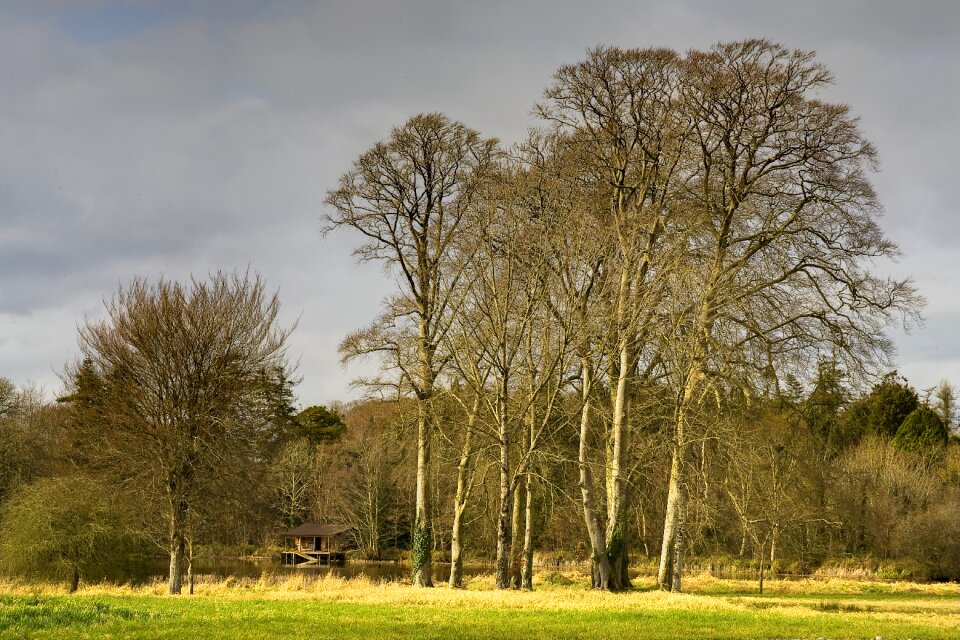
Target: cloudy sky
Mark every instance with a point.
(170, 138)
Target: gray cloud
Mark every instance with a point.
(175, 138)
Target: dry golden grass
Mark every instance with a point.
(702, 592)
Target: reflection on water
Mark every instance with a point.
(144, 570)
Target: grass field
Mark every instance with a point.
(337, 608)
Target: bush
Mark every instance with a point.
(63, 528)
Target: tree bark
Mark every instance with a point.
(526, 578)
(421, 554)
(599, 564)
(671, 524)
(668, 577)
(516, 549)
(460, 504)
(617, 509)
(677, 573)
(504, 528)
(504, 519)
(190, 565)
(177, 540)
(176, 563)
(456, 549)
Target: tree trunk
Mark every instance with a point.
(526, 578)
(456, 550)
(504, 530)
(75, 578)
(460, 501)
(671, 524)
(599, 564)
(774, 532)
(617, 509)
(421, 554)
(375, 531)
(643, 532)
(190, 565)
(503, 521)
(671, 550)
(516, 549)
(177, 544)
(677, 572)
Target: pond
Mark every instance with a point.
(144, 570)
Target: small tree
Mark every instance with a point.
(68, 527)
(945, 403)
(183, 369)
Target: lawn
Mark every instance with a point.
(336, 608)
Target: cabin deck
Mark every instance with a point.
(303, 557)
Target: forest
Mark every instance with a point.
(651, 336)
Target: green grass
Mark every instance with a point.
(377, 611)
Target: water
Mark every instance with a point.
(145, 570)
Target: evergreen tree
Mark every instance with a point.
(883, 410)
(921, 430)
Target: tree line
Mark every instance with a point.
(655, 317)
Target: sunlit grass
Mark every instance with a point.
(329, 606)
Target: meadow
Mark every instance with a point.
(560, 607)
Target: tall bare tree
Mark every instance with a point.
(183, 368)
(408, 197)
(622, 105)
(783, 230)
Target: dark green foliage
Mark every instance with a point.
(279, 410)
(86, 414)
(822, 408)
(319, 425)
(86, 390)
(921, 430)
(883, 410)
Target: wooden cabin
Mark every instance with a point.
(314, 543)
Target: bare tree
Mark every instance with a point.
(183, 368)
(621, 105)
(408, 197)
(783, 231)
(292, 477)
(503, 346)
(365, 485)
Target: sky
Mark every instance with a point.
(174, 138)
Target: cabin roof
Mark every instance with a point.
(313, 529)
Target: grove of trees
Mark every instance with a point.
(679, 236)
